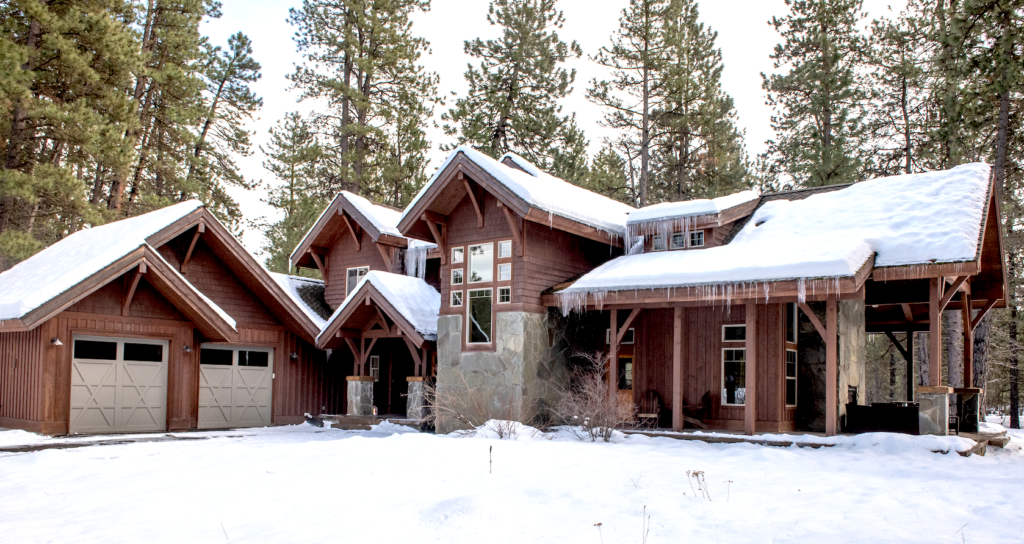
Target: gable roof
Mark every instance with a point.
(530, 192)
(410, 302)
(379, 221)
(688, 214)
(900, 221)
(308, 294)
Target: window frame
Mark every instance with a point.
(504, 290)
(628, 339)
(501, 249)
(468, 305)
(722, 369)
(504, 266)
(348, 290)
(793, 322)
(461, 250)
(451, 299)
(469, 263)
(796, 372)
(654, 242)
(734, 326)
(672, 241)
(462, 277)
(374, 360)
(703, 238)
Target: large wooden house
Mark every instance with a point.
(745, 312)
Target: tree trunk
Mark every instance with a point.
(892, 373)
(1014, 372)
(922, 357)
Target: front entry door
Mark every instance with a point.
(235, 386)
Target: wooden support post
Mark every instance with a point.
(677, 369)
(910, 367)
(357, 355)
(750, 378)
(613, 358)
(935, 331)
(831, 366)
(416, 359)
(907, 314)
(965, 303)
(200, 228)
(625, 326)
(981, 314)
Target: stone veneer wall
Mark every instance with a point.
(520, 378)
(852, 367)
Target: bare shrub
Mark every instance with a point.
(585, 406)
(468, 408)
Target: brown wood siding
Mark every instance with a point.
(23, 376)
(702, 358)
(309, 384)
(212, 277)
(342, 255)
(147, 302)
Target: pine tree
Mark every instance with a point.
(361, 58)
(818, 101)
(512, 101)
(610, 174)
(291, 155)
(636, 58)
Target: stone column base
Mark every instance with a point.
(414, 402)
(934, 410)
(360, 396)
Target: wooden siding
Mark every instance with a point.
(23, 378)
(147, 302)
(702, 361)
(342, 255)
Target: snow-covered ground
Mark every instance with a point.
(306, 484)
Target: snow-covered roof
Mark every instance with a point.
(413, 298)
(304, 292)
(933, 217)
(544, 192)
(690, 208)
(58, 268)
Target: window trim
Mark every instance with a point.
(654, 239)
(501, 244)
(734, 326)
(469, 263)
(347, 290)
(490, 291)
(703, 238)
(505, 289)
(462, 252)
(796, 373)
(671, 241)
(451, 301)
(622, 368)
(369, 369)
(504, 265)
(462, 277)
(722, 381)
(630, 334)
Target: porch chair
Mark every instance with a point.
(650, 409)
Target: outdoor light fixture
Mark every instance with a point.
(56, 341)
(294, 356)
(187, 348)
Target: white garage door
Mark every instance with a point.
(234, 386)
(118, 385)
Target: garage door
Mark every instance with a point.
(234, 386)
(118, 385)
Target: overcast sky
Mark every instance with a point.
(744, 36)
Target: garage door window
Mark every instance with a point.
(208, 356)
(253, 358)
(153, 353)
(97, 351)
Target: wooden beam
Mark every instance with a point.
(517, 233)
(416, 359)
(625, 327)
(356, 354)
(473, 200)
(385, 253)
(380, 315)
(935, 331)
(951, 291)
(319, 264)
(831, 366)
(366, 353)
(981, 314)
(353, 229)
(899, 347)
(200, 228)
(968, 338)
(438, 239)
(131, 286)
(909, 315)
(677, 369)
(750, 379)
(613, 358)
(813, 319)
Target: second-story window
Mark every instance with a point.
(457, 276)
(353, 277)
(697, 239)
(457, 255)
(504, 272)
(481, 263)
(505, 249)
(658, 242)
(678, 241)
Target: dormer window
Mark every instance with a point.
(678, 241)
(697, 239)
(658, 242)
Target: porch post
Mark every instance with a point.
(831, 366)
(677, 369)
(934, 331)
(613, 357)
(750, 379)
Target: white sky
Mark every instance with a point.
(744, 36)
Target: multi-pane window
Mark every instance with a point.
(658, 242)
(734, 376)
(481, 263)
(353, 277)
(505, 249)
(478, 316)
(504, 295)
(697, 239)
(625, 373)
(456, 298)
(457, 276)
(734, 333)
(457, 255)
(375, 367)
(627, 338)
(678, 241)
(504, 272)
(790, 377)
